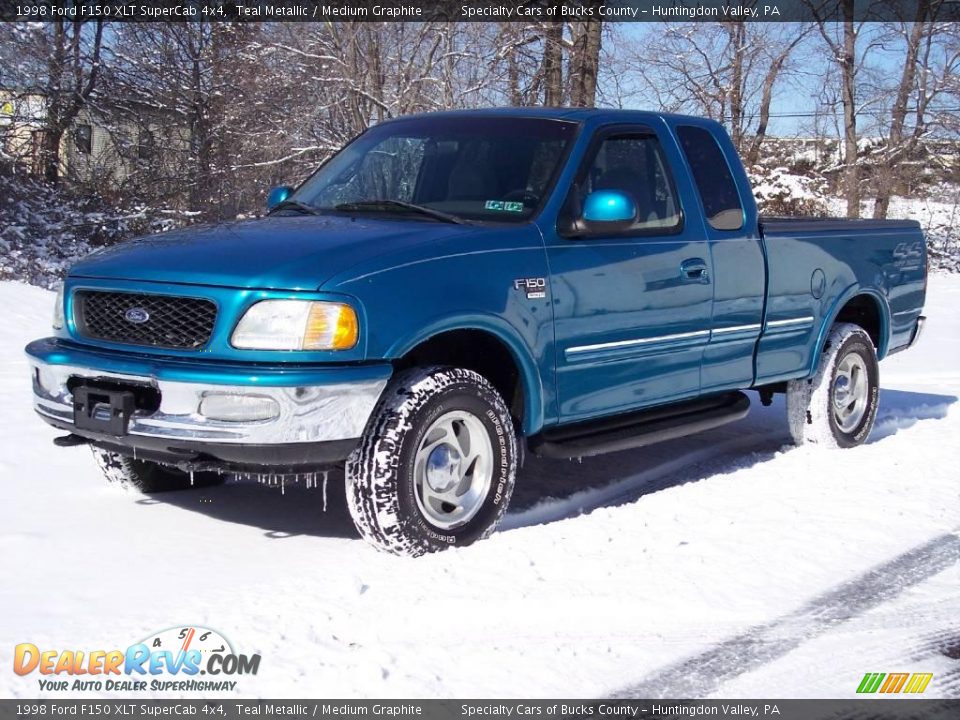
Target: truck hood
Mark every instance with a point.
(277, 253)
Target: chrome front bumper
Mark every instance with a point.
(304, 413)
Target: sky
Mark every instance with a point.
(796, 98)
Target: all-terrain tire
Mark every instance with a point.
(386, 503)
(812, 403)
(149, 477)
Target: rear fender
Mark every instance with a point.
(831, 317)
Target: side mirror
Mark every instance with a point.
(604, 211)
(278, 195)
(609, 206)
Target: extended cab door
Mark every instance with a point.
(632, 304)
(729, 218)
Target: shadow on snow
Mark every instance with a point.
(551, 490)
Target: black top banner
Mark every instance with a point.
(479, 10)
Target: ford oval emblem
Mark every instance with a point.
(136, 315)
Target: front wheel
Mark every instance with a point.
(436, 465)
(838, 405)
(149, 477)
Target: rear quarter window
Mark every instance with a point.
(712, 176)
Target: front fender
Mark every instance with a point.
(469, 281)
(504, 332)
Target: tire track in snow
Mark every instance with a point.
(944, 643)
(705, 673)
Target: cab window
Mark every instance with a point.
(712, 176)
(634, 165)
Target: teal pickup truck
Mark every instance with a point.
(453, 289)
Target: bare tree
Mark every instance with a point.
(615, 81)
(203, 77)
(552, 67)
(585, 59)
(65, 60)
(777, 62)
(928, 65)
(726, 71)
(518, 62)
(550, 62)
(843, 50)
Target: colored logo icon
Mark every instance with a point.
(913, 683)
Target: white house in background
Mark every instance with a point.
(106, 143)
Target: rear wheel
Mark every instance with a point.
(838, 405)
(436, 464)
(150, 477)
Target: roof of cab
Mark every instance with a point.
(560, 113)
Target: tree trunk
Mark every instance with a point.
(766, 97)
(585, 62)
(737, 36)
(513, 80)
(894, 149)
(753, 154)
(66, 90)
(54, 91)
(553, 64)
(848, 70)
(52, 138)
(199, 129)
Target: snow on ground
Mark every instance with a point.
(729, 564)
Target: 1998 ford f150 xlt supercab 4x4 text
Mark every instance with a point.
(452, 288)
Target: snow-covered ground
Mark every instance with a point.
(728, 564)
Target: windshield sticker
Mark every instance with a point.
(503, 206)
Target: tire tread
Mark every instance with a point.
(372, 468)
(808, 399)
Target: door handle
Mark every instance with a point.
(694, 270)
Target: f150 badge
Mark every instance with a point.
(535, 287)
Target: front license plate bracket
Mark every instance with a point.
(101, 410)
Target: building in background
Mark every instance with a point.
(109, 145)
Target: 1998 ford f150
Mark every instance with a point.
(452, 288)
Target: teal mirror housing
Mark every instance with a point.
(609, 206)
(278, 195)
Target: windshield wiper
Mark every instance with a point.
(295, 205)
(392, 205)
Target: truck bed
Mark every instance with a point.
(816, 265)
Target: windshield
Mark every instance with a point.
(471, 168)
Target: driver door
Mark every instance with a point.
(632, 305)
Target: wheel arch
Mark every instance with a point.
(504, 360)
(865, 307)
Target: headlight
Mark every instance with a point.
(297, 325)
(58, 318)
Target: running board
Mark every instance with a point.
(647, 427)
